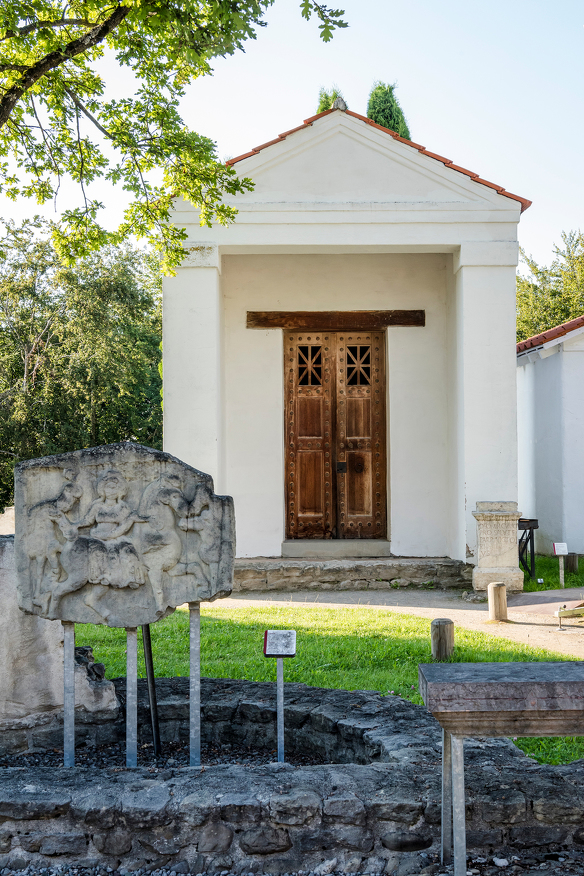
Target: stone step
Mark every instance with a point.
(381, 573)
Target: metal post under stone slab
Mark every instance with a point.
(446, 819)
(280, 706)
(458, 811)
(195, 683)
(131, 697)
(68, 694)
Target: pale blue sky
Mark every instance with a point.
(496, 87)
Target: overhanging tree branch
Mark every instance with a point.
(55, 59)
(36, 25)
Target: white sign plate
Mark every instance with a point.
(560, 549)
(280, 643)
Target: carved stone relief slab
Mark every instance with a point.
(119, 535)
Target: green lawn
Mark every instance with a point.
(548, 568)
(351, 648)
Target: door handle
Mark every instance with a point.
(341, 467)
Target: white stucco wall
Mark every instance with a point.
(526, 439)
(418, 388)
(551, 437)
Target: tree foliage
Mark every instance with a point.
(384, 109)
(547, 297)
(56, 122)
(326, 98)
(79, 348)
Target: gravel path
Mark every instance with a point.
(537, 630)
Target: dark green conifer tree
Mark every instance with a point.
(384, 109)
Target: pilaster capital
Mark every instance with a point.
(202, 254)
(492, 253)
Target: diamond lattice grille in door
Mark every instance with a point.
(335, 435)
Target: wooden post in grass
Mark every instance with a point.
(442, 638)
(497, 601)
(572, 563)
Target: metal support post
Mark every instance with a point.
(147, 643)
(561, 571)
(446, 853)
(195, 683)
(68, 694)
(458, 810)
(131, 697)
(280, 706)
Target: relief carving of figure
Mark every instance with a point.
(130, 534)
(46, 521)
(161, 547)
(107, 555)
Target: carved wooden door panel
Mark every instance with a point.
(335, 434)
(310, 373)
(360, 435)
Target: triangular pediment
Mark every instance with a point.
(339, 159)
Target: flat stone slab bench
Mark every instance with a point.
(494, 699)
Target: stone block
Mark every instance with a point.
(536, 835)
(21, 805)
(120, 535)
(215, 837)
(395, 808)
(96, 808)
(351, 837)
(296, 807)
(265, 841)
(484, 839)
(64, 844)
(31, 842)
(406, 841)
(240, 808)
(512, 578)
(346, 808)
(113, 842)
(502, 806)
(559, 806)
(146, 806)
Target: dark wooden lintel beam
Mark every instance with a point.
(334, 320)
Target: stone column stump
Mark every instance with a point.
(498, 556)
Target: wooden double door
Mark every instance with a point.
(335, 434)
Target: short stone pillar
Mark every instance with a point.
(498, 555)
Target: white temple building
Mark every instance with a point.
(341, 358)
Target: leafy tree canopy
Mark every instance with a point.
(384, 109)
(79, 348)
(56, 123)
(326, 98)
(547, 297)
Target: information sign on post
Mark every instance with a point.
(561, 551)
(280, 644)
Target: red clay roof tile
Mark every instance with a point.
(550, 335)
(421, 149)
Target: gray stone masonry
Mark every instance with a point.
(278, 818)
(276, 573)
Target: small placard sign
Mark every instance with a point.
(560, 549)
(280, 643)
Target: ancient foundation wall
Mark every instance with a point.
(368, 815)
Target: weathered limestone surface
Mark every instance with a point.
(275, 573)
(31, 651)
(498, 558)
(119, 535)
(369, 815)
(31, 678)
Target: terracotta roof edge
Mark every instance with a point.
(558, 331)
